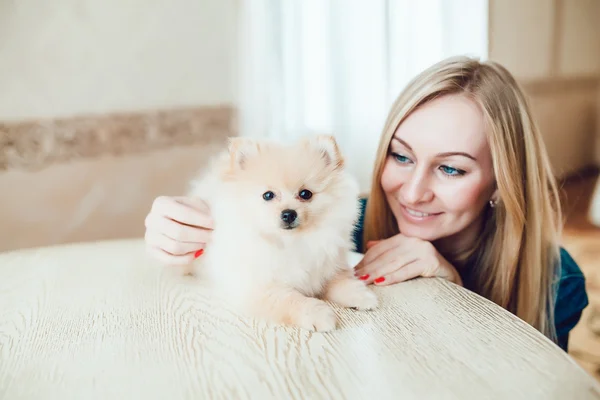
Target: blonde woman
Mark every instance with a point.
(462, 189)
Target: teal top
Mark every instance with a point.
(571, 296)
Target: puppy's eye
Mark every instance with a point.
(305, 194)
(268, 195)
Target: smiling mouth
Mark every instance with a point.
(418, 214)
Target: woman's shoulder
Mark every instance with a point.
(571, 280)
(568, 267)
(571, 297)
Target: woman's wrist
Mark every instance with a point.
(451, 274)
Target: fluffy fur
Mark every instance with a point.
(284, 272)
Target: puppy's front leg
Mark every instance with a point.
(347, 291)
(285, 305)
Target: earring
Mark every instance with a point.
(492, 203)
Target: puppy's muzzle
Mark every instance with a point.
(289, 219)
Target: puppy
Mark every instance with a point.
(284, 216)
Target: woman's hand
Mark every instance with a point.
(177, 229)
(401, 258)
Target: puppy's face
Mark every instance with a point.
(285, 189)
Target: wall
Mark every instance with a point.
(105, 105)
(553, 47)
(91, 199)
(68, 57)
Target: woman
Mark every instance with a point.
(462, 189)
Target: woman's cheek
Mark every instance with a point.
(390, 178)
(462, 196)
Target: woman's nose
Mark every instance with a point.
(417, 188)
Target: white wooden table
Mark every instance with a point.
(102, 321)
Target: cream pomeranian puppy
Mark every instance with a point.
(284, 216)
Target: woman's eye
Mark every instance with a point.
(268, 195)
(451, 171)
(305, 194)
(400, 158)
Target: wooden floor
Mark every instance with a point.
(582, 240)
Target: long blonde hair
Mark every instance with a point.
(513, 262)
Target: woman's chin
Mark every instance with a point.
(427, 234)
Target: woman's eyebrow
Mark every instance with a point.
(439, 155)
(403, 142)
(456, 153)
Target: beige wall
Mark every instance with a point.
(68, 57)
(91, 199)
(553, 47)
(84, 58)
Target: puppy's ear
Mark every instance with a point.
(240, 149)
(329, 149)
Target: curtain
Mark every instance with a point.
(335, 66)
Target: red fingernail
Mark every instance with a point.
(198, 253)
(379, 280)
(364, 277)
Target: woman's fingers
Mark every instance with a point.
(188, 211)
(157, 224)
(177, 229)
(401, 258)
(170, 245)
(170, 259)
(375, 250)
(385, 264)
(409, 271)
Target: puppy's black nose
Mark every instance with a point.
(289, 216)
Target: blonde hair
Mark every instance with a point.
(514, 259)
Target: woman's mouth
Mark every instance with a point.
(417, 215)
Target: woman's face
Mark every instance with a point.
(438, 175)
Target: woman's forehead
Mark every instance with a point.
(449, 123)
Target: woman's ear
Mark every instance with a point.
(494, 199)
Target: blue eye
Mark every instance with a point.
(451, 171)
(400, 158)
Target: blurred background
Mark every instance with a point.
(105, 105)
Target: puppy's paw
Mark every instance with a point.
(188, 269)
(354, 294)
(315, 315)
(363, 299)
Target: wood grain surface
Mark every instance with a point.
(102, 321)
